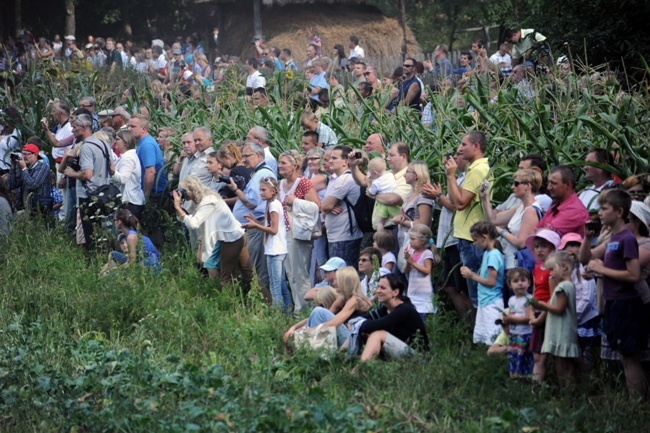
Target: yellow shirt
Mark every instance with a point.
(477, 172)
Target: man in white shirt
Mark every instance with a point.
(502, 59)
(599, 178)
(355, 50)
(203, 144)
(255, 79)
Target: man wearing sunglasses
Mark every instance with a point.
(409, 91)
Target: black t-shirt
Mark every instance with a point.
(404, 323)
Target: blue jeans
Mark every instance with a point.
(320, 315)
(471, 257)
(278, 282)
(346, 250)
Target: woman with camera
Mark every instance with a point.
(231, 159)
(128, 173)
(223, 244)
(297, 190)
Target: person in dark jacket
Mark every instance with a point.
(395, 329)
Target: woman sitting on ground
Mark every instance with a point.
(351, 303)
(367, 259)
(138, 247)
(223, 244)
(396, 328)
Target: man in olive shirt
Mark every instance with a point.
(466, 200)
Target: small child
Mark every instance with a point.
(520, 359)
(490, 280)
(326, 296)
(561, 333)
(419, 263)
(56, 196)
(385, 241)
(275, 242)
(381, 182)
(586, 306)
(541, 245)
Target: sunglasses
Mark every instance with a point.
(407, 66)
(364, 260)
(516, 183)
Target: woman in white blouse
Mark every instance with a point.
(222, 244)
(128, 173)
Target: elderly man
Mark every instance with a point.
(249, 202)
(376, 143)
(371, 77)
(154, 179)
(317, 82)
(120, 118)
(203, 144)
(567, 213)
(92, 174)
(183, 166)
(260, 136)
(442, 69)
(32, 176)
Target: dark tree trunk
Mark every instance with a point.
(257, 17)
(69, 17)
(126, 20)
(18, 23)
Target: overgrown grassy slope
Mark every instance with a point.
(139, 353)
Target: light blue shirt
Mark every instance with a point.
(488, 295)
(252, 192)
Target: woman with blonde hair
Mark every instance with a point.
(351, 303)
(417, 209)
(204, 76)
(515, 225)
(223, 244)
(296, 190)
(229, 155)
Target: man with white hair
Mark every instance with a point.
(260, 136)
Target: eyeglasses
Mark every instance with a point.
(410, 172)
(314, 158)
(247, 155)
(364, 260)
(85, 105)
(407, 66)
(367, 73)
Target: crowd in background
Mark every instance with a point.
(346, 233)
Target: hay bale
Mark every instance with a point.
(286, 27)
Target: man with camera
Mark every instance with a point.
(249, 202)
(92, 173)
(32, 177)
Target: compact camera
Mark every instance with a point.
(356, 154)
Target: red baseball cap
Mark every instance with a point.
(32, 148)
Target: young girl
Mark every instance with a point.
(419, 263)
(541, 245)
(214, 167)
(561, 333)
(586, 307)
(520, 360)
(275, 242)
(384, 241)
(490, 281)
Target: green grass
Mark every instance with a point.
(134, 352)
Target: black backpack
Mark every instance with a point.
(362, 210)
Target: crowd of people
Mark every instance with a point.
(345, 233)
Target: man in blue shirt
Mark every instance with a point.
(249, 202)
(154, 178)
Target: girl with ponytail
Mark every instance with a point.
(139, 249)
